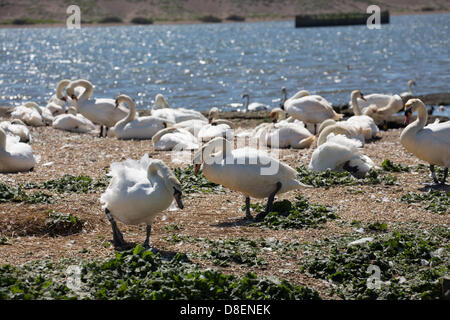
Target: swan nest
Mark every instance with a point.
(206, 217)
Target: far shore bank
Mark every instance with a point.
(181, 22)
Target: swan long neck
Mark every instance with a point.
(33, 105)
(221, 144)
(2, 139)
(161, 133)
(247, 101)
(61, 85)
(410, 84)
(132, 109)
(356, 108)
(165, 173)
(87, 85)
(336, 129)
(420, 122)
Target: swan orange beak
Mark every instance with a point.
(74, 97)
(362, 97)
(197, 168)
(408, 113)
(64, 98)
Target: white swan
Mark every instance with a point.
(174, 138)
(216, 128)
(18, 128)
(15, 156)
(57, 103)
(254, 106)
(340, 153)
(429, 143)
(73, 122)
(138, 191)
(382, 114)
(99, 111)
(30, 113)
(132, 127)
(409, 93)
(193, 125)
(350, 130)
(365, 123)
(310, 109)
(161, 109)
(252, 172)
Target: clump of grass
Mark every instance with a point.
(377, 226)
(388, 165)
(63, 223)
(411, 262)
(298, 215)
(139, 274)
(17, 194)
(210, 19)
(192, 183)
(434, 200)
(141, 20)
(239, 251)
(70, 183)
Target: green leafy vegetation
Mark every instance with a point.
(239, 251)
(297, 215)
(17, 194)
(63, 223)
(69, 183)
(330, 178)
(411, 262)
(434, 200)
(388, 165)
(140, 274)
(192, 183)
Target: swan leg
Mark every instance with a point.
(106, 131)
(118, 240)
(247, 209)
(101, 131)
(147, 239)
(262, 215)
(445, 176)
(433, 174)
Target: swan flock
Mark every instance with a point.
(141, 189)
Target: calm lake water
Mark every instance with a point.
(205, 65)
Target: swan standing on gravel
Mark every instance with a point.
(161, 109)
(15, 156)
(99, 111)
(340, 153)
(174, 138)
(429, 143)
(17, 128)
(252, 172)
(138, 191)
(254, 106)
(310, 109)
(132, 127)
(73, 122)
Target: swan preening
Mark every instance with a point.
(15, 156)
(252, 172)
(32, 115)
(429, 143)
(99, 111)
(177, 139)
(73, 122)
(138, 191)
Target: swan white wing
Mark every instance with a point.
(309, 109)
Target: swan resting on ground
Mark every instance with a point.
(252, 172)
(429, 143)
(15, 156)
(132, 127)
(162, 109)
(254, 106)
(173, 138)
(16, 127)
(73, 122)
(138, 191)
(340, 153)
(30, 113)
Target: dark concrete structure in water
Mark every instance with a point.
(336, 19)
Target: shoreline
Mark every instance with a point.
(190, 22)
